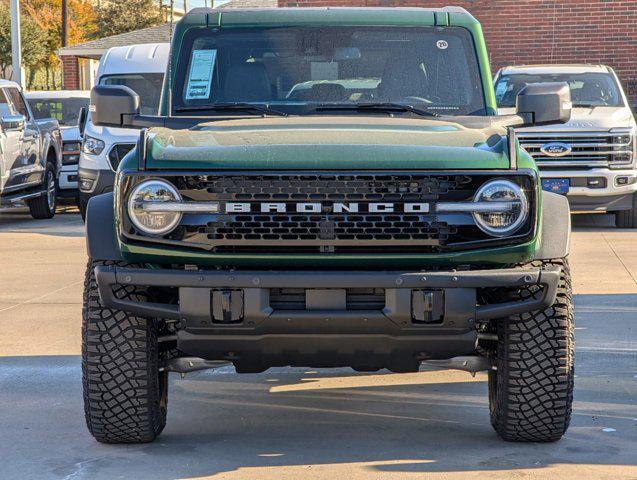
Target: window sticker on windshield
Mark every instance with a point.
(202, 67)
(501, 89)
(442, 44)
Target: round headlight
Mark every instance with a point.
(509, 205)
(140, 207)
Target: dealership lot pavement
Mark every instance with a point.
(298, 423)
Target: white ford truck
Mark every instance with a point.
(142, 69)
(30, 155)
(591, 159)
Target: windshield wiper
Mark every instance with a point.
(379, 107)
(233, 106)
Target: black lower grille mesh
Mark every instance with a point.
(334, 227)
(356, 298)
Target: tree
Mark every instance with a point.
(34, 41)
(117, 16)
(47, 14)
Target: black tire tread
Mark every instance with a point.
(39, 206)
(82, 205)
(531, 394)
(123, 399)
(627, 218)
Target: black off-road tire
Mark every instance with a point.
(627, 218)
(531, 392)
(82, 205)
(43, 207)
(125, 394)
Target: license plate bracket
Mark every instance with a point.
(326, 299)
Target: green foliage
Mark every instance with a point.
(34, 41)
(117, 16)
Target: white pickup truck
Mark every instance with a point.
(591, 159)
(30, 155)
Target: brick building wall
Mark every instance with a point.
(542, 31)
(70, 72)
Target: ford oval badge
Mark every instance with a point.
(556, 149)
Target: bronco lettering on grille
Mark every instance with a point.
(280, 207)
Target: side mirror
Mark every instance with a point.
(545, 103)
(13, 122)
(82, 116)
(113, 105)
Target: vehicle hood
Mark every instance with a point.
(339, 142)
(112, 135)
(70, 134)
(588, 119)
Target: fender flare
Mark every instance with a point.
(555, 241)
(46, 146)
(101, 238)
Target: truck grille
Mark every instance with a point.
(118, 152)
(326, 231)
(587, 149)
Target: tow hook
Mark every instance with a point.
(471, 364)
(192, 364)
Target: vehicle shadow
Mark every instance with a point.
(299, 423)
(595, 222)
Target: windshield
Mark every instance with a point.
(587, 89)
(146, 85)
(64, 110)
(297, 69)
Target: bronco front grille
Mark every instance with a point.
(328, 231)
(587, 149)
(118, 152)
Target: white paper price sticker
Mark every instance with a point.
(202, 67)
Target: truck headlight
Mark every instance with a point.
(510, 208)
(93, 146)
(149, 194)
(624, 149)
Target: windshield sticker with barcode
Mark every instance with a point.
(501, 89)
(202, 67)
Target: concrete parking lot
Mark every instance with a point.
(298, 423)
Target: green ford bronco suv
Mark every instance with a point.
(328, 188)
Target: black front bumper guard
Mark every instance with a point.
(195, 289)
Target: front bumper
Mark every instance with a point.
(598, 189)
(228, 315)
(95, 182)
(68, 177)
